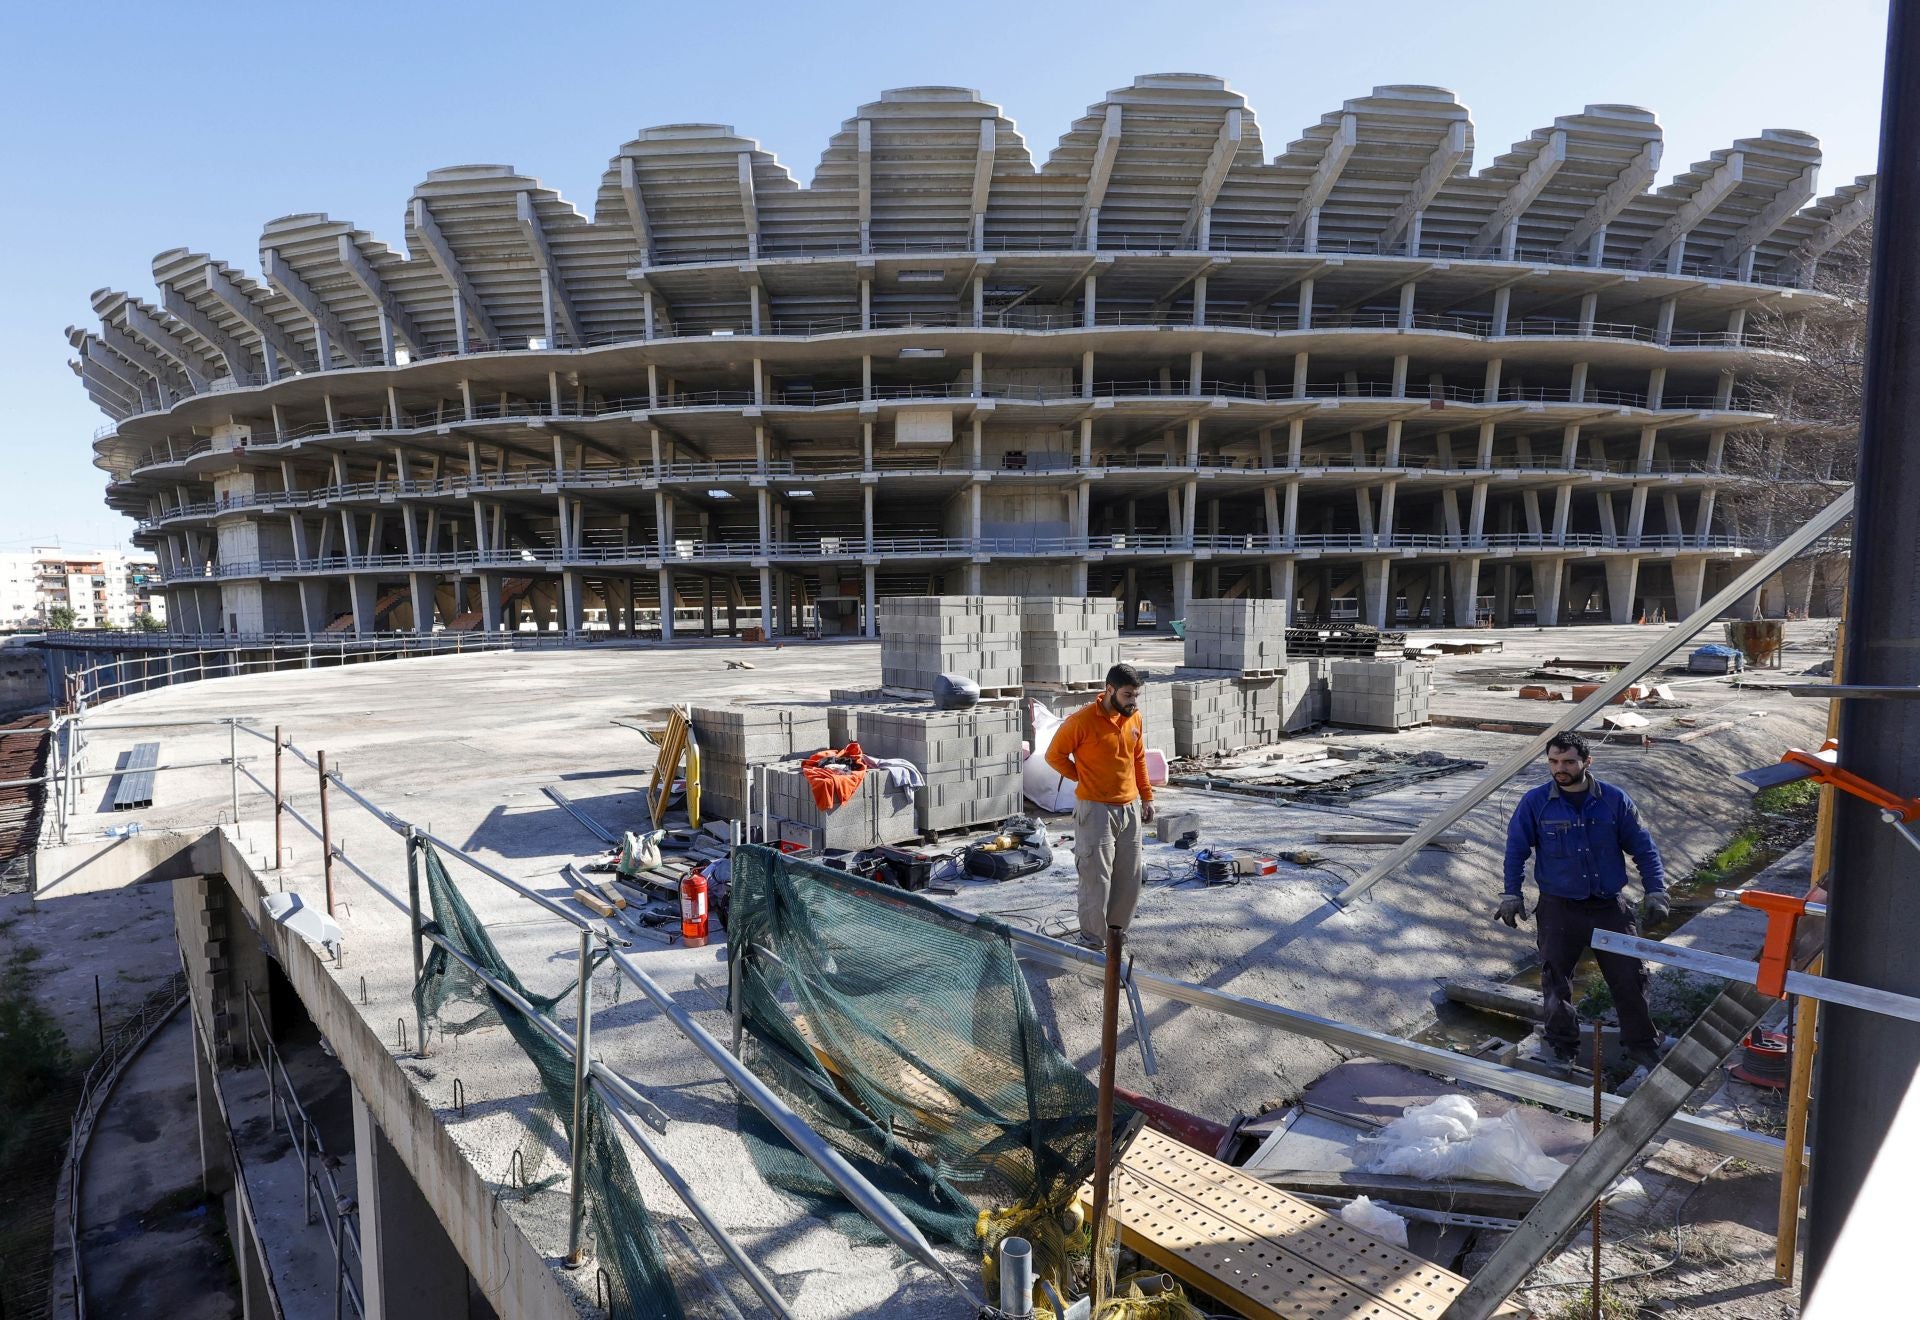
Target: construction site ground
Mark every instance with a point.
(463, 746)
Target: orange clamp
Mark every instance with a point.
(1824, 770)
(1776, 954)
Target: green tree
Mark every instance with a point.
(60, 617)
(146, 623)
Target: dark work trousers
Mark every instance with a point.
(1565, 927)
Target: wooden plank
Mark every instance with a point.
(1268, 1254)
(1515, 1001)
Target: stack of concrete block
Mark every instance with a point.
(876, 813)
(1245, 636)
(970, 758)
(1381, 694)
(734, 739)
(1068, 641)
(1306, 698)
(1155, 702)
(923, 637)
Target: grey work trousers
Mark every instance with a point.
(1106, 852)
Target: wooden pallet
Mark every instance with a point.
(988, 696)
(1269, 1255)
(1089, 686)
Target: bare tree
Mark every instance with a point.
(1811, 384)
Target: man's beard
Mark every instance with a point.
(1567, 779)
(1113, 704)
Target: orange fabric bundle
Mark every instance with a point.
(834, 776)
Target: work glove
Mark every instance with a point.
(1512, 911)
(1654, 908)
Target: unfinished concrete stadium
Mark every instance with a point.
(1353, 374)
(734, 964)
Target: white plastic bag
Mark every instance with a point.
(1449, 1139)
(1040, 783)
(1364, 1215)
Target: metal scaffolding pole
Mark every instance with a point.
(1854, 1208)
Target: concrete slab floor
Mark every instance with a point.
(463, 745)
(151, 1244)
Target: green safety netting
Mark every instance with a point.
(904, 1033)
(459, 1002)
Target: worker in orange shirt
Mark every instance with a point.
(1102, 747)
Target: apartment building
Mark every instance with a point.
(103, 588)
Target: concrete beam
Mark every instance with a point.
(164, 373)
(239, 361)
(1104, 154)
(559, 301)
(1325, 175)
(1799, 263)
(1632, 181)
(1782, 208)
(1225, 147)
(168, 344)
(440, 253)
(272, 338)
(1438, 169)
(749, 207)
(326, 326)
(636, 209)
(982, 185)
(1713, 190)
(363, 274)
(1525, 191)
(864, 167)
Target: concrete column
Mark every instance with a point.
(1503, 596)
(1182, 592)
(490, 603)
(1375, 579)
(1623, 576)
(420, 588)
(573, 591)
(666, 604)
(1549, 579)
(871, 620)
(766, 602)
(1282, 577)
(411, 1270)
(1562, 509)
(1502, 306)
(1689, 584)
(1389, 490)
(1463, 581)
(361, 593)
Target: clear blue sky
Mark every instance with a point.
(135, 127)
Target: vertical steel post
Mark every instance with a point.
(1103, 1121)
(1599, 1059)
(326, 834)
(233, 770)
(413, 924)
(582, 1032)
(1867, 1060)
(279, 800)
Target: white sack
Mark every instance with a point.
(1039, 782)
(1449, 1139)
(1364, 1215)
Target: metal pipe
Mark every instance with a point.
(326, 835)
(1016, 1278)
(617, 1084)
(1656, 651)
(583, 1043)
(731, 1249)
(1103, 1112)
(280, 812)
(233, 773)
(109, 774)
(866, 1198)
(413, 927)
(571, 918)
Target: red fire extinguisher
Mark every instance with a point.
(693, 908)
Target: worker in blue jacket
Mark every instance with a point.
(1579, 831)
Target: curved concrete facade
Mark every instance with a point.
(1354, 374)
